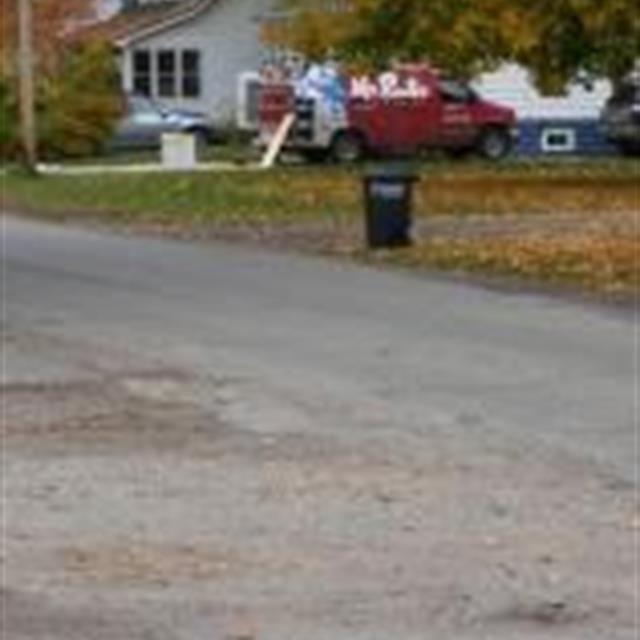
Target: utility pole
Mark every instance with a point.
(27, 84)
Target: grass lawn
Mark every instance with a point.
(573, 222)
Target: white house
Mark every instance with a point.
(188, 53)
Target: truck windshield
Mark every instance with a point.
(456, 91)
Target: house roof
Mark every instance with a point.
(146, 19)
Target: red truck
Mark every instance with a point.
(398, 112)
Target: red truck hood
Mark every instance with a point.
(495, 112)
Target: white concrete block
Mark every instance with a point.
(178, 151)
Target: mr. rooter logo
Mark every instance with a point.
(388, 86)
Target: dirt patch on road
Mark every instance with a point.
(148, 564)
(127, 413)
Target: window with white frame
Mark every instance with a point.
(558, 140)
(166, 66)
(167, 73)
(190, 68)
(142, 80)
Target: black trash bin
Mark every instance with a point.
(388, 194)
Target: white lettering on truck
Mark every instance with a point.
(388, 86)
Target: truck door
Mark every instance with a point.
(457, 128)
(403, 124)
(395, 110)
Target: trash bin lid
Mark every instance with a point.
(402, 171)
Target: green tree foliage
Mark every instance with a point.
(77, 104)
(558, 40)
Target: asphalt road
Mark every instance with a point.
(213, 442)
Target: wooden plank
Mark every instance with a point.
(277, 142)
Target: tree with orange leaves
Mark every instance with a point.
(70, 119)
(53, 21)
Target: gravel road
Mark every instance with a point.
(211, 443)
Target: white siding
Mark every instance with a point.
(511, 85)
(228, 38)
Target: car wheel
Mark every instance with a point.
(348, 147)
(494, 144)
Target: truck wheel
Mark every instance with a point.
(494, 144)
(348, 147)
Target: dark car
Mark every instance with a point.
(144, 121)
(620, 117)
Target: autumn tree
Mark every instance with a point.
(53, 20)
(77, 89)
(557, 40)
(73, 121)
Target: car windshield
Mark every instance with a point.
(142, 105)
